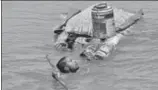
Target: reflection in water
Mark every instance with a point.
(27, 37)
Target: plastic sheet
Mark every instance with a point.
(82, 23)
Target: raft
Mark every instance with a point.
(123, 19)
(80, 22)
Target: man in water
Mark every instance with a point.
(64, 65)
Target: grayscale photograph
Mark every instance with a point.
(79, 45)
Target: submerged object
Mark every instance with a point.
(103, 21)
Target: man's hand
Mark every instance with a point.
(61, 41)
(56, 75)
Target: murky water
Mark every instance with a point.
(27, 37)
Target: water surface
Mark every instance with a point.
(27, 37)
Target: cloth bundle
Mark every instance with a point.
(101, 50)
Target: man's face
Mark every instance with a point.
(67, 65)
(71, 63)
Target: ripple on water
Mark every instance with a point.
(27, 37)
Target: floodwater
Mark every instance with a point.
(27, 38)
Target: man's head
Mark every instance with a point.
(67, 65)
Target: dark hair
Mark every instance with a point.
(62, 65)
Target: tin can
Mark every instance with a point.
(103, 21)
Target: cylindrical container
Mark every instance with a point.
(103, 21)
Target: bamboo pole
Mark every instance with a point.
(55, 74)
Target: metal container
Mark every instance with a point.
(103, 21)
